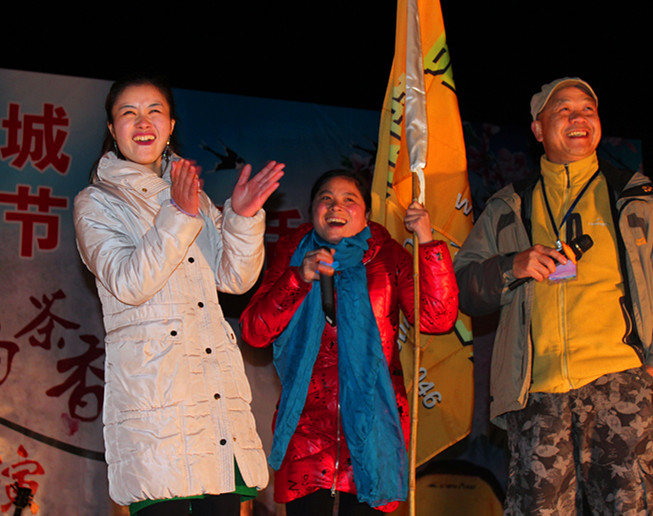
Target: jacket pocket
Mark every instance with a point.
(139, 435)
(243, 425)
(144, 369)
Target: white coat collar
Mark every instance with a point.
(127, 174)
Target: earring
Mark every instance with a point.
(166, 153)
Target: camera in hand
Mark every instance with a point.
(578, 246)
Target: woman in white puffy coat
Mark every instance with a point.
(178, 427)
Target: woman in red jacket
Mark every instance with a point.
(342, 424)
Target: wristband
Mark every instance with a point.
(181, 209)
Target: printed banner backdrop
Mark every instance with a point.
(51, 335)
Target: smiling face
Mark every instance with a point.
(568, 126)
(141, 125)
(339, 210)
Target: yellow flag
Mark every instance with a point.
(421, 131)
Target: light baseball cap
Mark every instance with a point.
(539, 100)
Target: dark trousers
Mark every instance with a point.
(222, 505)
(321, 503)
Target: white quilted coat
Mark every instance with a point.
(177, 402)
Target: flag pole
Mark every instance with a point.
(414, 418)
(417, 143)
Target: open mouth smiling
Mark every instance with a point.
(335, 221)
(577, 133)
(144, 138)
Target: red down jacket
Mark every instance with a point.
(317, 455)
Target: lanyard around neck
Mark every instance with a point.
(571, 208)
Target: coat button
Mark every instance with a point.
(191, 259)
(200, 304)
(208, 351)
(223, 442)
(216, 396)
(173, 333)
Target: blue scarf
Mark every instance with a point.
(370, 418)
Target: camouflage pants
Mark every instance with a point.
(590, 449)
